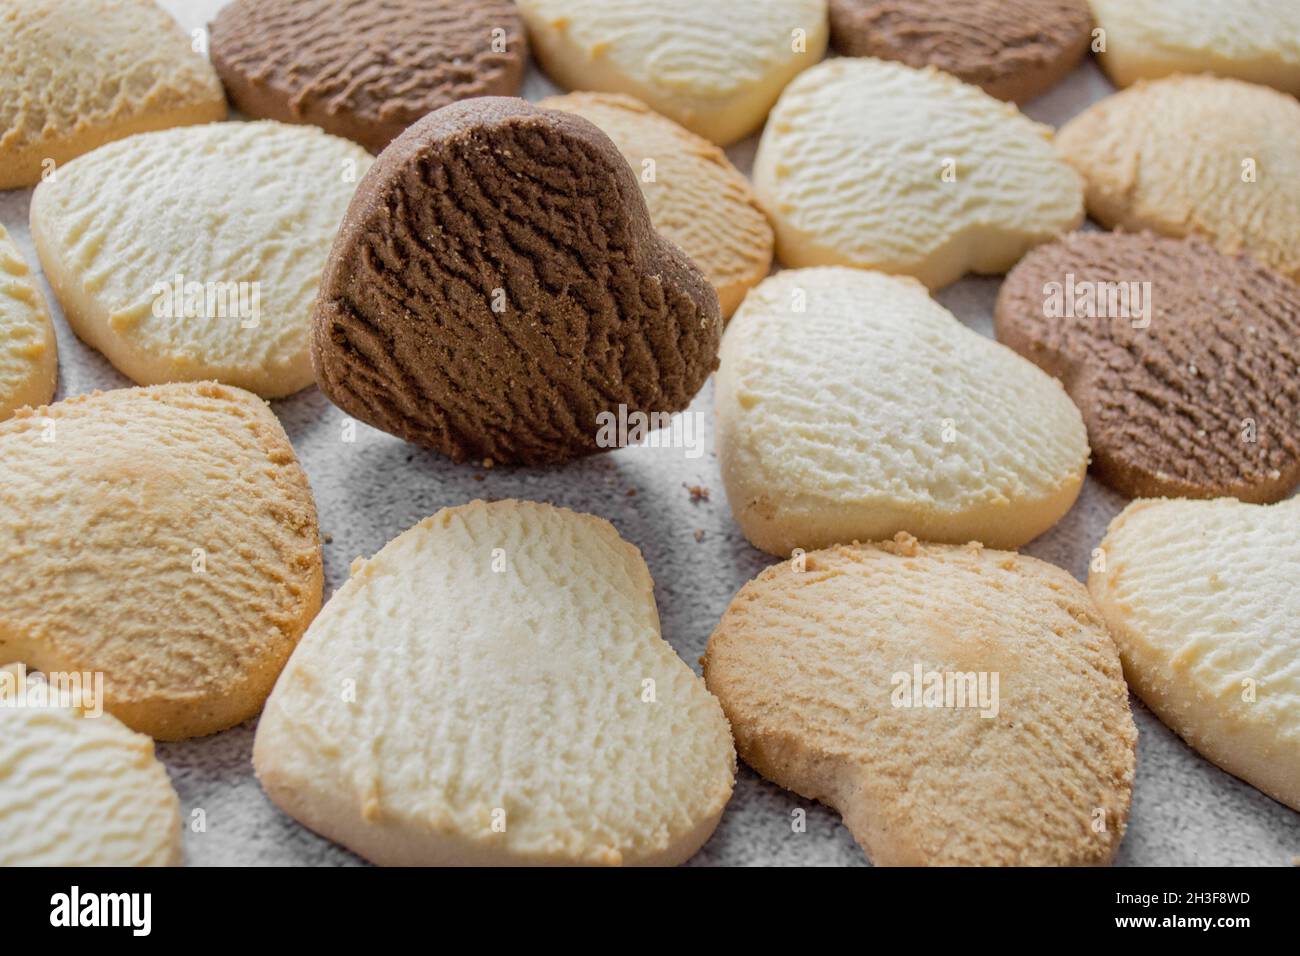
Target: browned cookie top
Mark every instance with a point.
(496, 285)
(1014, 49)
(365, 69)
(1197, 396)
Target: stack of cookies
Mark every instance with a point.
(760, 205)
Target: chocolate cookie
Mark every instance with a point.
(1014, 49)
(1182, 359)
(365, 69)
(497, 284)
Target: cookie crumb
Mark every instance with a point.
(327, 538)
(631, 492)
(698, 492)
(699, 534)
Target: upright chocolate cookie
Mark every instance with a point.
(1014, 49)
(1182, 359)
(365, 69)
(497, 284)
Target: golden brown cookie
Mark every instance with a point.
(81, 73)
(165, 537)
(959, 706)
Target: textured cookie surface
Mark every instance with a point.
(1014, 49)
(195, 253)
(696, 197)
(852, 406)
(1201, 598)
(497, 286)
(165, 536)
(1183, 360)
(81, 73)
(878, 165)
(492, 688)
(1253, 40)
(28, 354)
(365, 69)
(82, 791)
(1195, 155)
(715, 66)
(817, 665)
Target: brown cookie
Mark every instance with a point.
(365, 69)
(497, 285)
(1182, 359)
(1014, 49)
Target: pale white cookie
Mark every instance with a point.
(81, 73)
(696, 197)
(852, 406)
(194, 253)
(80, 790)
(165, 537)
(29, 366)
(1202, 599)
(1195, 155)
(492, 688)
(959, 706)
(877, 165)
(1254, 40)
(715, 66)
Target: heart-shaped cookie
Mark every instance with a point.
(715, 67)
(1195, 155)
(492, 688)
(959, 706)
(77, 788)
(365, 69)
(1253, 40)
(877, 165)
(222, 287)
(851, 406)
(1012, 49)
(81, 73)
(1201, 598)
(165, 537)
(1182, 359)
(497, 287)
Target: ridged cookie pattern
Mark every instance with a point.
(1188, 384)
(1012, 49)
(82, 791)
(1201, 598)
(81, 73)
(245, 211)
(715, 66)
(492, 688)
(165, 536)
(852, 406)
(1195, 155)
(497, 286)
(28, 353)
(877, 165)
(696, 197)
(806, 663)
(366, 69)
(1253, 40)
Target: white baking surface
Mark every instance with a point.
(1185, 810)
